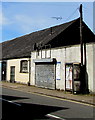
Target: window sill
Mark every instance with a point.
(24, 72)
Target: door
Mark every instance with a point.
(69, 77)
(72, 77)
(0, 71)
(12, 74)
(76, 77)
(45, 75)
(3, 69)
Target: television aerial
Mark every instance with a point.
(57, 18)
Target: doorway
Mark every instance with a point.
(72, 77)
(45, 75)
(12, 74)
(3, 70)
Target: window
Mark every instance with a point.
(24, 66)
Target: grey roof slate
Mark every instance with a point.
(60, 35)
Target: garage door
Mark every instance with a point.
(45, 75)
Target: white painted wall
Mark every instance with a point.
(67, 55)
(64, 55)
(0, 70)
(94, 67)
(19, 77)
(90, 66)
(33, 56)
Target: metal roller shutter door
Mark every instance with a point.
(45, 75)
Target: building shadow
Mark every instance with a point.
(13, 97)
(79, 118)
(84, 80)
(26, 111)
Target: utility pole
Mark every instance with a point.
(84, 84)
(81, 40)
(81, 49)
(83, 43)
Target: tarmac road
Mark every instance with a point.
(25, 106)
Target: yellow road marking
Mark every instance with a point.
(62, 99)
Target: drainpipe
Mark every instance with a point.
(29, 71)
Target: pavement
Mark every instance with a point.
(87, 98)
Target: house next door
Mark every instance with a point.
(12, 74)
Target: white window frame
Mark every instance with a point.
(24, 66)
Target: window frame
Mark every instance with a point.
(23, 66)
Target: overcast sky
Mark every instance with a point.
(20, 18)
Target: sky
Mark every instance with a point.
(19, 17)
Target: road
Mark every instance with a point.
(26, 106)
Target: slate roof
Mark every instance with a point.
(60, 35)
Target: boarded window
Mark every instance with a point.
(24, 66)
